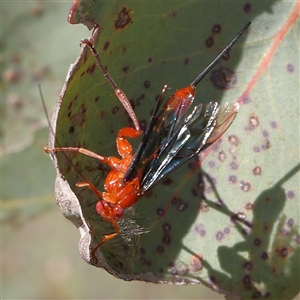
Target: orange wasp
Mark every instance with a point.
(176, 133)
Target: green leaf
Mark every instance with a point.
(232, 224)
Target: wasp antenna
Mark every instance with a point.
(215, 61)
(53, 133)
(44, 106)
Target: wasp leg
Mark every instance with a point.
(105, 239)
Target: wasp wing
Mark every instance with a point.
(174, 136)
(163, 123)
(202, 127)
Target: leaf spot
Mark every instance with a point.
(290, 68)
(248, 265)
(71, 129)
(196, 263)
(147, 84)
(247, 8)
(290, 222)
(106, 45)
(123, 19)
(245, 186)
(223, 78)
(290, 194)
(115, 110)
(209, 42)
(160, 249)
(257, 242)
(219, 235)
(216, 29)
(257, 171)
(232, 179)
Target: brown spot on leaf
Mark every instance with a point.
(249, 206)
(91, 69)
(257, 242)
(266, 144)
(247, 8)
(283, 252)
(232, 179)
(264, 256)
(223, 78)
(253, 121)
(196, 263)
(160, 212)
(167, 181)
(182, 206)
(79, 118)
(147, 84)
(166, 239)
(290, 222)
(234, 165)
(248, 266)
(216, 29)
(226, 56)
(186, 61)
(257, 171)
(123, 19)
(139, 99)
(115, 110)
(222, 156)
(256, 149)
(174, 200)
(265, 133)
(199, 229)
(166, 227)
(160, 249)
(219, 235)
(247, 282)
(106, 45)
(226, 230)
(290, 194)
(290, 68)
(125, 69)
(71, 129)
(256, 295)
(233, 139)
(273, 124)
(245, 186)
(209, 42)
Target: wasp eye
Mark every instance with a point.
(118, 212)
(101, 208)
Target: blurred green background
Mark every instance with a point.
(40, 257)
